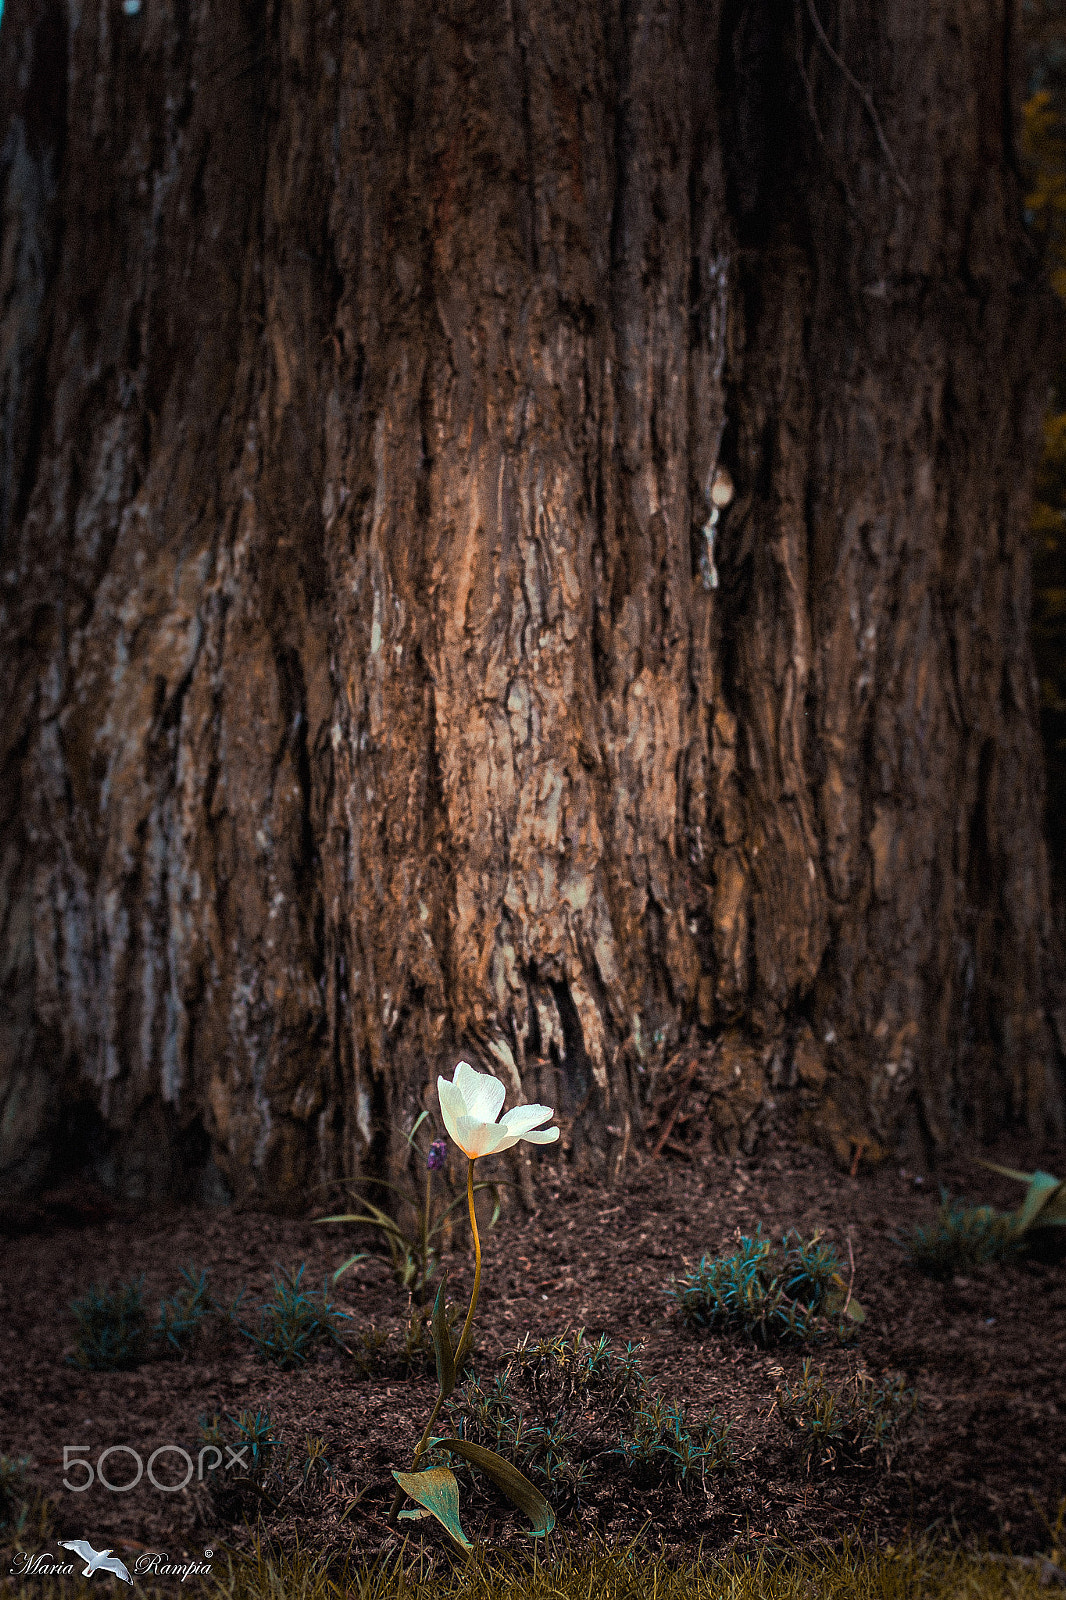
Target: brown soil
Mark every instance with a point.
(985, 1459)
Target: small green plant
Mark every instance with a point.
(529, 1414)
(242, 1475)
(415, 1257)
(256, 1430)
(229, 1311)
(183, 1316)
(254, 1467)
(774, 1295)
(316, 1470)
(961, 1237)
(113, 1333)
(295, 1321)
(375, 1354)
(569, 1372)
(660, 1445)
(13, 1493)
(495, 1419)
(856, 1423)
(24, 1511)
(370, 1352)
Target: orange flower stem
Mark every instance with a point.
(467, 1338)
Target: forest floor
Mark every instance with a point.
(982, 1462)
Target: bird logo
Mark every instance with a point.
(96, 1560)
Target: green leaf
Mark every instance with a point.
(855, 1310)
(1042, 1187)
(442, 1343)
(438, 1491)
(517, 1488)
(1044, 1205)
(411, 1136)
(349, 1263)
(1006, 1172)
(380, 1220)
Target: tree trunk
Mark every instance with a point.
(380, 687)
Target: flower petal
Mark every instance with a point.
(472, 1136)
(482, 1093)
(520, 1118)
(470, 1104)
(496, 1139)
(452, 1108)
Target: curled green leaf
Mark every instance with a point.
(436, 1490)
(1044, 1205)
(507, 1477)
(351, 1261)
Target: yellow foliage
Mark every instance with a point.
(1055, 436)
(1044, 146)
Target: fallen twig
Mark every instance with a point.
(851, 1279)
(690, 1073)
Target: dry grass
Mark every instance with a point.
(596, 1572)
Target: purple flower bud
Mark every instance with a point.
(438, 1150)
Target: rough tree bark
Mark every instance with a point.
(374, 691)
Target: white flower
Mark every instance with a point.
(470, 1105)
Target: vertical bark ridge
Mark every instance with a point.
(374, 700)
